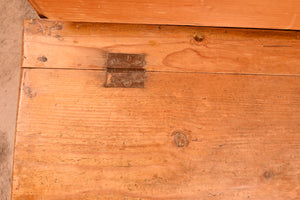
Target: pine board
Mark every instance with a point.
(218, 119)
(52, 44)
(79, 140)
(268, 14)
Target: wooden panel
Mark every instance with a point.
(238, 137)
(51, 44)
(274, 14)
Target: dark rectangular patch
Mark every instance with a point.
(125, 78)
(125, 70)
(128, 61)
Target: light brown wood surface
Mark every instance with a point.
(167, 48)
(77, 139)
(218, 119)
(274, 14)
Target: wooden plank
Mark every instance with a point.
(271, 14)
(52, 44)
(237, 137)
(37, 8)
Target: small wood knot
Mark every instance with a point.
(42, 59)
(268, 174)
(198, 37)
(180, 139)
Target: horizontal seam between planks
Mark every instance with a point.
(191, 25)
(222, 73)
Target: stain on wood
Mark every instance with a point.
(28, 92)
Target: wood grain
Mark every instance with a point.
(218, 119)
(273, 14)
(52, 44)
(78, 140)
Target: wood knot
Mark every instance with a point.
(42, 59)
(180, 139)
(198, 37)
(268, 174)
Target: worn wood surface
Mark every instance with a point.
(218, 117)
(274, 14)
(77, 139)
(51, 44)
